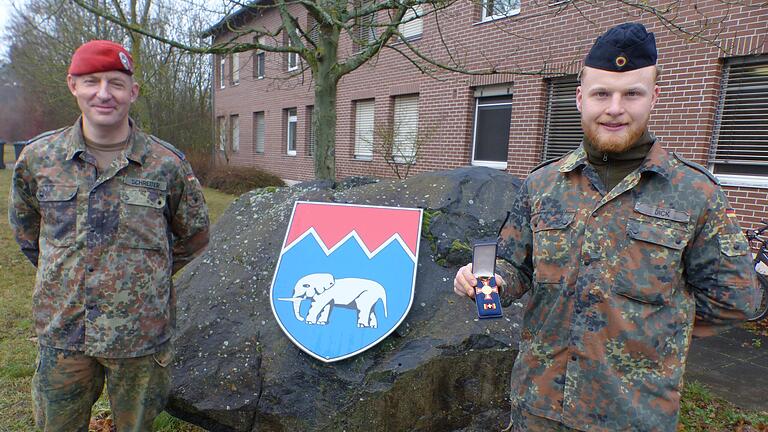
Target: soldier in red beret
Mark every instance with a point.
(107, 214)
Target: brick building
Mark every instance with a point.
(713, 107)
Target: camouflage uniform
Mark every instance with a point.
(67, 383)
(106, 244)
(616, 279)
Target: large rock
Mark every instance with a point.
(441, 370)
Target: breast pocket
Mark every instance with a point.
(142, 218)
(58, 208)
(551, 245)
(651, 264)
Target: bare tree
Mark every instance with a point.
(400, 145)
(175, 85)
(372, 25)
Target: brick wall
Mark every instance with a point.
(751, 205)
(536, 40)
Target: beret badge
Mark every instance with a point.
(125, 61)
(621, 61)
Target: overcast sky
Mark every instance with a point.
(6, 7)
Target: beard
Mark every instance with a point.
(613, 142)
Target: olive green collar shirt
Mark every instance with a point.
(613, 167)
(105, 243)
(616, 278)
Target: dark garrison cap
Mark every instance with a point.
(623, 48)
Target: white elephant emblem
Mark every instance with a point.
(326, 292)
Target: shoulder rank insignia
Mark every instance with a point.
(168, 145)
(545, 163)
(697, 167)
(46, 134)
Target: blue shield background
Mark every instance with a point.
(392, 267)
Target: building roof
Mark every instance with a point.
(241, 15)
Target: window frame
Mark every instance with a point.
(290, 135)
(484, 17)
(731, 179)
(222, 71)
(418, 13)
(311, 136)
(551, 111)
(258, 61)
(365, 27)
(259, 131)
(292, 55)
(487, 163)
(397, 158)
(234, 133)
(312, 29)
(222, 125)
(235, 69)
(359, 151)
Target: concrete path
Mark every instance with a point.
(734, 366)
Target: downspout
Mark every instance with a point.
(212, 75)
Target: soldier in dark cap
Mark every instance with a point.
(626, 250)
(107, 214)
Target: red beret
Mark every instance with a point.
(100, 56)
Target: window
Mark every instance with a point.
(290, 131)
(364, 114)
(234, 132)
(406, 128)
(258, 131)
(494, 9)
(411, 25)
(258, 61)
(222, 125)
(365, 30)
(562, 122)
(314, 29)
(235, 68)
(491, 136)
(293, 58)
(222, 70)
(311, 137)
(740, 140)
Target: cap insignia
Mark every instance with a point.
(125, 61)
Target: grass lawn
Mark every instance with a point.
(700, 410)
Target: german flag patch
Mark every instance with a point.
(731, 213)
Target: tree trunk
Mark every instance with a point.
(141, 106)
(324, 111)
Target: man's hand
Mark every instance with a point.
(465, 281)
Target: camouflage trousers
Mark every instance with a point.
(523, 421)
(67, 384)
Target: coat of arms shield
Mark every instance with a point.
(345, 277)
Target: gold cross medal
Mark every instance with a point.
(486, 291)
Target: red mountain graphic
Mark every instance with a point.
(374, 225)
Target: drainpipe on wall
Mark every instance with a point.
(212, 75)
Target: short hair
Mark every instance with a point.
(656, 79)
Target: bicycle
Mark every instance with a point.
(760, 264)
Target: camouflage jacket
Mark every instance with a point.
(616, 279)
(105, 246)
